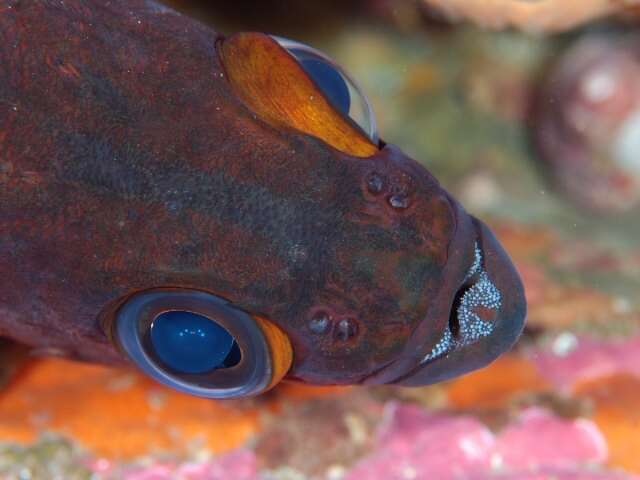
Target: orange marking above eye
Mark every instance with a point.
(272, 83)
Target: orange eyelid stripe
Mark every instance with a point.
(279, 347)
(272, 83)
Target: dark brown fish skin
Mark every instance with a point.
(126, 163)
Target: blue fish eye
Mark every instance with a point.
(198, 343)
(327, 78)
(190, 343)
(336, 85)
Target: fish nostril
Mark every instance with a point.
(375, 183)
(399, 202)
(346, 329)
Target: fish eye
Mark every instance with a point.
(336, 85)
(187, 342)
(200, 344)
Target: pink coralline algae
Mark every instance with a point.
(587, 122)
(416, 445)
(541, 440)
(571, 360)
(413, 444)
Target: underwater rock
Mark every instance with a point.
(507, 378)
(549, 15)
(145, 418)
(551, 474)
(334, 430)
(414, 444)
(570, 443)
(50, 457)
(587, 122)
(616, 401)
(239, 465)
(572, 360)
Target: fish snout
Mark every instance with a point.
(486, 318)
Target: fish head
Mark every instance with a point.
(416, 290)
(344, 261)
(412, 290)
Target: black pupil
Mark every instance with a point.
(327, 78)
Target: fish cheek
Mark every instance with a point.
(417, 276)
(328, 345)
(436, 223)
(358, 323)
(379, 289)
(417, 271)
(345, 334)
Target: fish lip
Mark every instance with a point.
(432, 364)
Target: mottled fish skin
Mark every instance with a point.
(127, 162)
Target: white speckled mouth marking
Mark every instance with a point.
(444, 345)
(483, 293)
(476, 266)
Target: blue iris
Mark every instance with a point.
(190, 343)
(327, 78)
